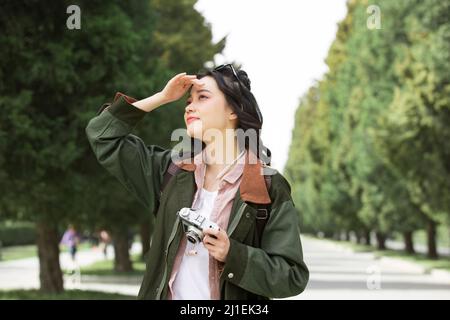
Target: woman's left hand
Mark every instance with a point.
(217, 243)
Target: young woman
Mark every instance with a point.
(255, 252)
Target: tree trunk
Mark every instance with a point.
(328, 235)
(50, 274)
(409, 244)
(347, 235)
(381, 241)
(145, 238)
(367, 240)
(431, 239)
(122, 262)
(358, 237)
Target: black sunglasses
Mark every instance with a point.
(231, 67)
(228, 66)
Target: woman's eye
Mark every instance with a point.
(199, 97)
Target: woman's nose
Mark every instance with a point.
(189, 108)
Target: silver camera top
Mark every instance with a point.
(195, 223)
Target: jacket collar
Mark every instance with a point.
(253, 185)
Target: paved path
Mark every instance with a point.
(338, 273)
(24, 273)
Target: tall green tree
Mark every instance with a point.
(367, 148)
(415, 134)
(52, 81)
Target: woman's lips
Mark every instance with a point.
(189, 120)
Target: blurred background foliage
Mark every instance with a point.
(370, 151)
(52, 82)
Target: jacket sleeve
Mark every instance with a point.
(276, 270)
(138, 167)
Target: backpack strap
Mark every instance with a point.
(262, 213)
(171, 171)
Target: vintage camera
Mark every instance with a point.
(195, 224)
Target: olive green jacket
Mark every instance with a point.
(273, 270)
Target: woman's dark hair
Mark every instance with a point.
(243, 103)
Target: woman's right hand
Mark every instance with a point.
(174, 90)
(178, 86)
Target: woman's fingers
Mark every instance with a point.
(178, 77)
(211, 231)
(198, 82)
(214, 237)
(191, 81)
(217, 243)
(209, 240)
(194, 82)
(211, 249)
(183, 79)
(184, 76)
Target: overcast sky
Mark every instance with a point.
(282, 45)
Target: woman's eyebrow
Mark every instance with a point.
(198, 91)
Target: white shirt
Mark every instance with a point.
(192, 279)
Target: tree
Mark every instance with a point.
(52, 81)
(363, 148)
(415, 135)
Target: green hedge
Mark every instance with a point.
(17, 233)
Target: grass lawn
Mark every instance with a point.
(106, 268)
(30, 251)
(441, 263)
(18, 252)
(66, 295)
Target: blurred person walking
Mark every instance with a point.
(71, 239)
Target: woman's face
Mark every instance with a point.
(207, 111)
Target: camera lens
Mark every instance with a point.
(194, 235)
(191, 238)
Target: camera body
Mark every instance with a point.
(195, 224)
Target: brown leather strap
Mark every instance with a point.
(263, 214)
(171, 171)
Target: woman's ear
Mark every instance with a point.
(232, 116)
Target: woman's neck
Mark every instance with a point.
(219, 155)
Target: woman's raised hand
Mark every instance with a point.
(174, 90)
(178, 86)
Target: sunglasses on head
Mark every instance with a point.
(229, 66)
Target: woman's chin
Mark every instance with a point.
(194, 131)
